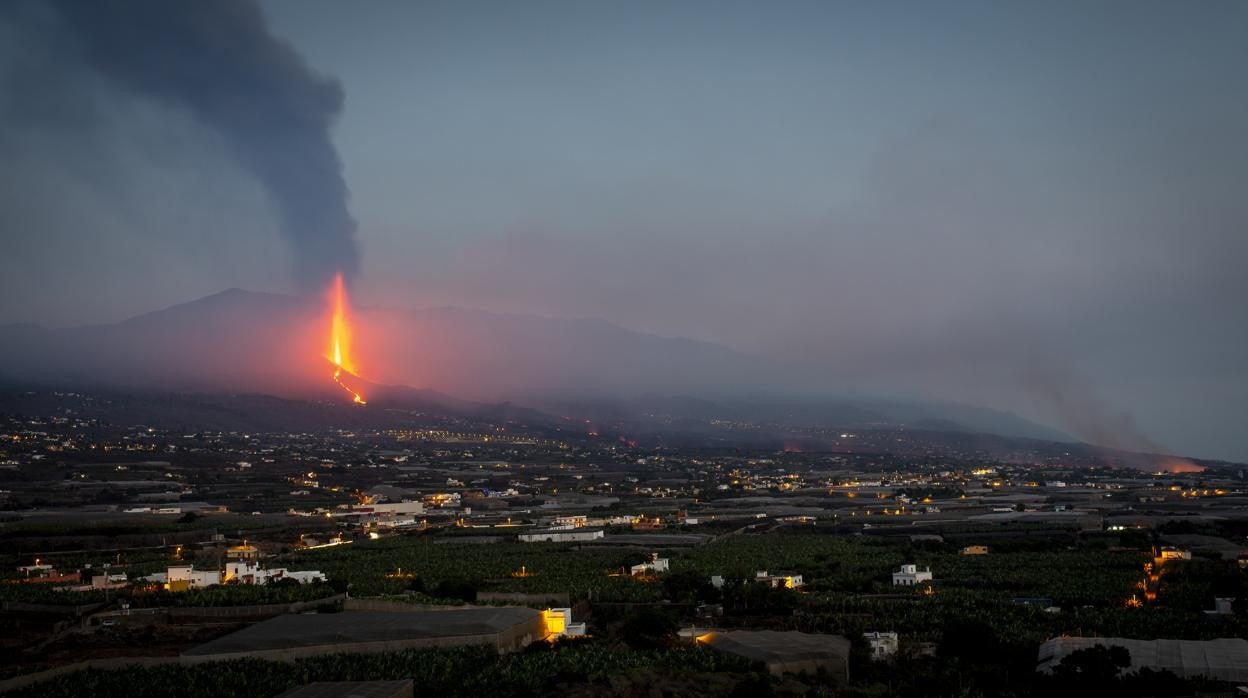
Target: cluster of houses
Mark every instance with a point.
(186, 577)
(659, 565)
(243, 568)
(386, 514)
(85, 579)
(581, 528)
(907, 576)
(782, 580)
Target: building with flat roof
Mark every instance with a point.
(570, 536)
(910, 575)
(656, 565)
(559, 624)
(884, 645)
(506, 628)
(780, 580)
(243, 552)
(186, 577)
(1171, 553)
(1224, 659)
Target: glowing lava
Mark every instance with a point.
(340, 339)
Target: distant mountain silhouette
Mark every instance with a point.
(255, 343)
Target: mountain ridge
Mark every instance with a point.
(266, 343)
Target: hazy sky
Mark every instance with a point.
(1038, 206)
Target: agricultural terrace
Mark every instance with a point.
(848, 577)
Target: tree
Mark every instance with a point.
(647, 628)
(1097, 664)
(461, 589)
(689, 585)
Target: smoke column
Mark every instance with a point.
(1085, 415)
(218, 60)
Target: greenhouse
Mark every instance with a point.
(1224, 659)
(292, 636)
(785, 652)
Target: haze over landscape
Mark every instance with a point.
(1034, 209)
(711, 348)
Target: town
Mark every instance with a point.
(853, 569)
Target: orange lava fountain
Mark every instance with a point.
(339, 352)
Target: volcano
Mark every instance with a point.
(453, 359)
(244, 341)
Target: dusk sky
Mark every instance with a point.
(1034, 206)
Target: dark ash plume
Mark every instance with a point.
(218, 60)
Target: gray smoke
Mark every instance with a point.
(1075, 405)
(218, 61)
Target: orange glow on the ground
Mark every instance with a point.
(1170, 464)
(339, 351)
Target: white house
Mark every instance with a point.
(909, 575)
(883, 645)
(185, 577)
(657, 565)
(244, 572)
(248, 572)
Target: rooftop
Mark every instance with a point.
(776, 646)
(1224, 659)
(312, 630)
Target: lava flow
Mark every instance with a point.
(340, 339)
